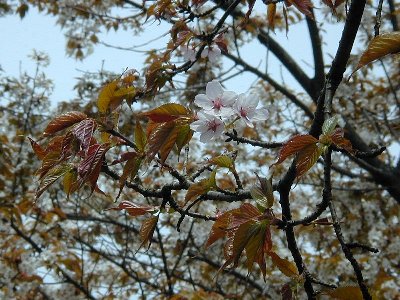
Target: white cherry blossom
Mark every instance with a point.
(209, 127)
(212, 52)
(189, 54)
(246, 109)
(216, 101)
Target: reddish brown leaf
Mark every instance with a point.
(124, 157)
(220, 226)
(294, 145)
(147, 230)
(340, 141)
(245, 213)
(64, 121)
(134, 209)
(285, 266)
(307, 157)
(345, 293)
(199, 188)
(286, 292)
(90, 167)
(167, 112)
(255, 247)
(84, 132)
(162, 139)
(39, 151)
(304, 6)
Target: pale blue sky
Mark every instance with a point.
(40, 32)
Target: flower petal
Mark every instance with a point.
(214, 90)
(203, 101)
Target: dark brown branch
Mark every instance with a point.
(363, 247)
(265, 145)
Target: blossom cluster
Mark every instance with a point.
(211, 52)
(219, 106)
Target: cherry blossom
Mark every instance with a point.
(246, 109)
(209, 127)
(216, 101)
(189, 54)
(212, 52)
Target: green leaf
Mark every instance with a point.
(52, 176)
(184, 136)
(330, 125)
(263, 192)
(223, 161)
(140, 137)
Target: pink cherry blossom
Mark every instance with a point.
(246, 109)
(209, 127)
(212, 52)
(216, 101)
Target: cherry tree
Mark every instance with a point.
(166, 182)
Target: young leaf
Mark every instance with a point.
(39, 151)
(380, 46)
(345, 292)
(147, 230)
(140, 137)
(112, 95)
(51, 177)
(64, 121)
(162, 139)
(197, 189)
(130, 170)
(223, 161)
(167, 112)
(220, 226)
(307, 157)
(263, 192)
(329, 125)
(285, 266)
(69, 181)
(340, 141)
(134, 209)
(84, 132)
(90, 167)
(294, 145)
(271, 16)
(184, 136)
(304, 6)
